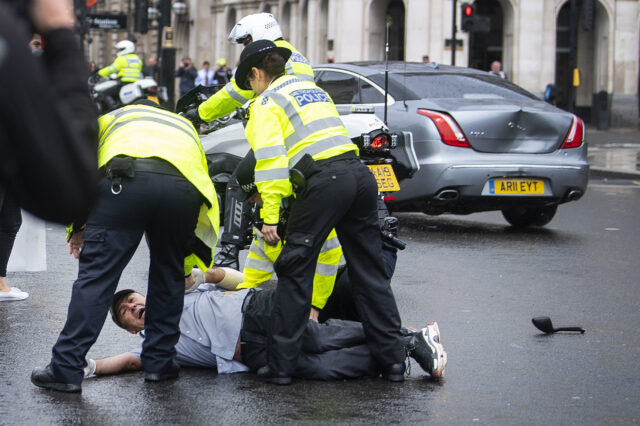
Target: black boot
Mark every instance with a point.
(228, 256)
(394, 372)
(45, 378)
(268, 375)
(170, 373)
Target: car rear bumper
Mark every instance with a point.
(464, 188)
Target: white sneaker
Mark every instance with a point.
(13, 294)
(426, 349)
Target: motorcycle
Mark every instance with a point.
(145, 88)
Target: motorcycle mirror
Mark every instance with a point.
(545, 325)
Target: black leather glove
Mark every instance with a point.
(193, 116)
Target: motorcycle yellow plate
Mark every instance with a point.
(385, 177)
(154, 99)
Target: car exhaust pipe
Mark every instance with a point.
(574, 194)
(447, 195)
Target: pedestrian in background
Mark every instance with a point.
(205, 75)
(93, 68)
(11, 217)
(48, 121)
(496, 69)
(151, 69)
(188, 74)
(10, 221)
(223, 74)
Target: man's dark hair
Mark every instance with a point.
(117, 299)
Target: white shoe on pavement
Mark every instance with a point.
(13, 294)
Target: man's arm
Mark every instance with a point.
(224, 102)
(117, 364)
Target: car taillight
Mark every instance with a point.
(575, 136)
(450, 132)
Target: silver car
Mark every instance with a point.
(480, 143)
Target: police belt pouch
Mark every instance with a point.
(118, 168)
(303, 170)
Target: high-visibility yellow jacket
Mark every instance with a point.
(291, 118)
(227, 99)
(258, 267)
(143, 131)
(128, 68)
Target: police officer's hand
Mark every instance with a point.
(47, 15)
(270, 233)
(313, 315)
(75, 244)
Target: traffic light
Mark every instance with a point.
(467, 16)
(140, 16)
(470, 21)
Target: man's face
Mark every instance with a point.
(130, 312)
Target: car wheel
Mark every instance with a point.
(521, 217)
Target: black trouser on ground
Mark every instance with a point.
(342, 195)
(10, 222)
(237, 214)
(163, 206)
(332, 350)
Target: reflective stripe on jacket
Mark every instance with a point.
(127, 67)
(258, 267)
(227, 99)
(142, 131)
(291, 118)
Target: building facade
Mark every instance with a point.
(531, 38)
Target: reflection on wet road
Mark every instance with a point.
(615, 156)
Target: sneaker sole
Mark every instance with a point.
(440, 357)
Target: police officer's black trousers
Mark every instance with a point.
(333, 350)
(165, 207)
(342, 195)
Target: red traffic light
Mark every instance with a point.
(468, 10)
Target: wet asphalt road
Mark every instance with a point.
(482, 282)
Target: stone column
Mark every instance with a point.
(624, 105)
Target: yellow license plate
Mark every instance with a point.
(516, 186)
(154, 99)
(385, 177)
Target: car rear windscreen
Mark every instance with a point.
(434, 86)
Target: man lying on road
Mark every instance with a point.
(225, 330)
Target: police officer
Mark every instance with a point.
(258, 266)
(155, 183)
(127, 66)
(294, 128)
(259, 26)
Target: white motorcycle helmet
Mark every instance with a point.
(125, 47)
(260, 26)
